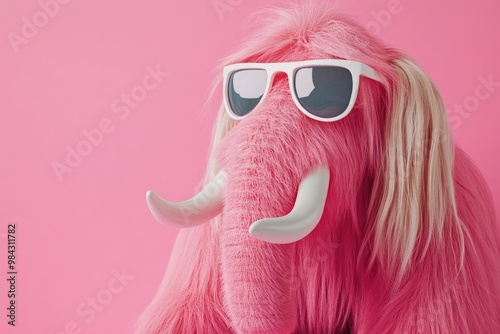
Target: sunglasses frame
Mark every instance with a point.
(356, 68)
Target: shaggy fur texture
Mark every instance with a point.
(407, 242)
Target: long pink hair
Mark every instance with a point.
(419, 247)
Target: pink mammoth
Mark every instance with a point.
(363, 220)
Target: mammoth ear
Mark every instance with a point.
(413, 193)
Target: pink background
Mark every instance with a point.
(75, 233)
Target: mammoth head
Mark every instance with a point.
(322, 125)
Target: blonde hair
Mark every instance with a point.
(415, 191)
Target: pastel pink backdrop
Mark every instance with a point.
(77, 231)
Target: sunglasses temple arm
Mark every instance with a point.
(369, 72)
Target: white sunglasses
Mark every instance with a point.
(324, 89)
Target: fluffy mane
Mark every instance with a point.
(409, 218)
(417, 201)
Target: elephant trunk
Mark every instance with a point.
(256, 274)
(265, 162)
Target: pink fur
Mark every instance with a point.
(221, 280)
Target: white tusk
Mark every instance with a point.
(305, 215)
(204, 206)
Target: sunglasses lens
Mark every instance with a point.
(245, 90)
(324, 91)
